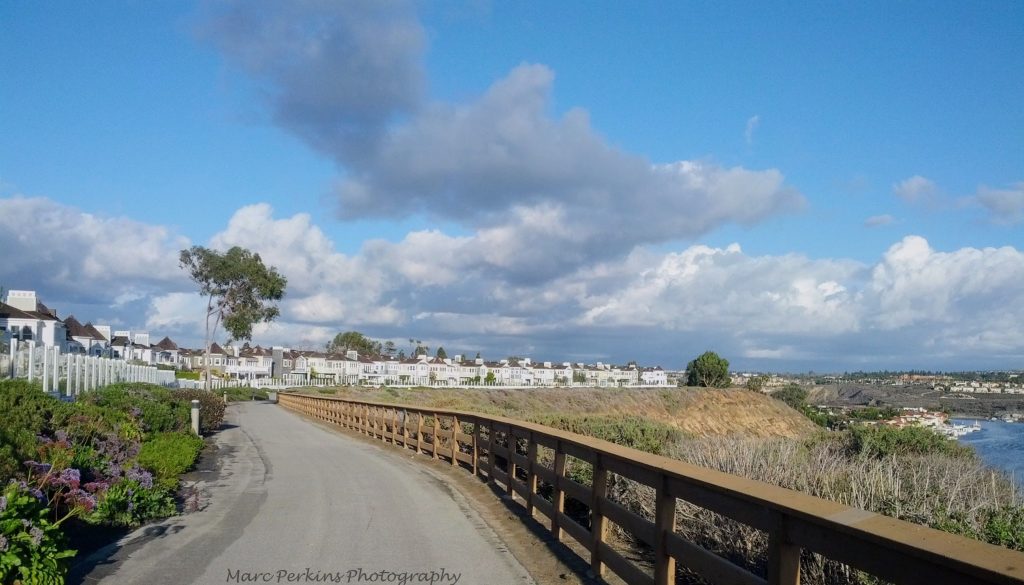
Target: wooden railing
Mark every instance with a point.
(506, 452)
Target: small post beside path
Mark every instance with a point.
(195, 417)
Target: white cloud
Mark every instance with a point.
(916, 189)
(323, 284)
(705, 288)
(348, 80)
(752, 123)
(879, 220)
(1004, 206)
(914, 306)
(177, 311)
(88, 257)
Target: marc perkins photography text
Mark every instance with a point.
(358, 575)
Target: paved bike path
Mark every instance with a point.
(292, 502)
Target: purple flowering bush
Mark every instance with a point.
(112, 458)
(31, 543)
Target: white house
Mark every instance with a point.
(654, 376)
(24, 318)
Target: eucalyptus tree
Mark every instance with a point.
(240, 291)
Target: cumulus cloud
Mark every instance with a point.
(324, 285)
(704, 288)
(82, 256)
(537, 189)
(914, 306)
(916, 189)
(879, 220)
(1004, 206)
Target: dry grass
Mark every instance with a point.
(696, 412)
(956, 494)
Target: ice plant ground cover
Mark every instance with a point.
(111, 459)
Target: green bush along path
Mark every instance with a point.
(109, 460)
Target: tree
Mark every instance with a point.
(420, 350)
(389, 348)
(490, 378)
(401, 354)
(441, 353)
(240, 291)
(793, 395)
(756, 383)
(354, 340)
(708, 370)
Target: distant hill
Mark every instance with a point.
(697, 412)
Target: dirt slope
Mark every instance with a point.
(697, 412)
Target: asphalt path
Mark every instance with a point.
(288, 501)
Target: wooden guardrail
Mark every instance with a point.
(505, 451)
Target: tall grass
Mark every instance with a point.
(955, 493)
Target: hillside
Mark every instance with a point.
(697, 412)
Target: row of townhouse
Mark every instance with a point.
(987, 387)
(352, 368)
(24, 319)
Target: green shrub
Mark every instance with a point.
(26, 415)
(793, 395)
(874, 413)
(180, 375)
(211, 407)
(32, 547)
(86, 422)
(129, 503)
(883, 441)
(168, 455)
(239, 394)
(157, 407)
(628, 431)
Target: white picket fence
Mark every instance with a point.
(71, 374)
(288, 381)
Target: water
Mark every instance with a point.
(1000, 444)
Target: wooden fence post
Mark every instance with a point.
(531, 475)
(394, 426)
(664, 525)
(598, 525)
(455, 440)
(405, 428)
(783, 557)
(490, 452)
(510, 466)
(558, 498)
(419, 432)
(476, 447)
(437, 426)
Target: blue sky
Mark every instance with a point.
(494, 172)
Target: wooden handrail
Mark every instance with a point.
(892, 549)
